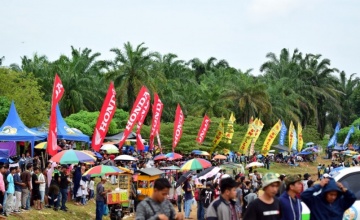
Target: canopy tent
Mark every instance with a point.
(119, 136)
(281, 147)
(14, 129)
(67, 133)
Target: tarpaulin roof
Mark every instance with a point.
(14, 129)
(119, 136)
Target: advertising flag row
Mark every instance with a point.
(230, 129)
(270, 138)
(218, 136)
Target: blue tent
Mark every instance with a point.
(14, 129)
(67, 133)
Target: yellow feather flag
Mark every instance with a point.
(300, 138)
(291, 135)
(230, 129)
(250, 133)
(270, 138)
(218, 136)
(258, 125)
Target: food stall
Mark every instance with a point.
(145, 181)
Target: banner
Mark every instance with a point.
(250, 134)
(346, 141)
(135, 114)
(106, 114)
(258, 128)
(58, 91)
(139, 143)
(143, 114)
(270, 138)
(282, 133)
(291, 135)
(203, 129)
(178, 124)
(300, 138)
(333, 139)
(156, 118)
(218, 136)
(230, 129)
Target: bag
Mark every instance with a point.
(197, 194)
(106, 209)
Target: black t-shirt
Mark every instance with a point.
(258, 210)
(63, 181)
(207, 196)
(34, 178)
(245, 192)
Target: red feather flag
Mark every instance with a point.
(156, 119)
(178, 124)
(203, 129)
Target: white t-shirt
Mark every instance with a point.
(41, 178)
(91, 185)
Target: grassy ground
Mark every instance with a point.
(88, 212)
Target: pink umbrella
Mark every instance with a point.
(173, 156)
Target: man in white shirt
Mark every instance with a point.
(179, 193)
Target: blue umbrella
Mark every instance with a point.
(196, 151)
(98, 155)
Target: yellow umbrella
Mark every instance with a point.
(41, 145)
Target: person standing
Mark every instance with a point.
(290, 204)
(101, 198)
(305, 181)
(188, 196)
(2, 186)
(10, 192)
(42, 186)
(179, 193)
(26, 188)
(158, 207)
(63, 185)
(18, 186)
(207, 195)
(267, 206)
(328, 200)
(36, 188)
(223, 208)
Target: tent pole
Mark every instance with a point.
(43, 159)
(32, 148)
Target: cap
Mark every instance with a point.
(268, 179)
(292, 179)
(325, 175)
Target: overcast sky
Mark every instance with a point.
(240, 31)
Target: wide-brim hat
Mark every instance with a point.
(268, 179)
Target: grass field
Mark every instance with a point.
(88, 212)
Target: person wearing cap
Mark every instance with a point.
(101, 198)
(223, 208)
(328, 200)
(267, 206)
(290, 205)
(207, 195)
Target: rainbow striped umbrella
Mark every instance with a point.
(43, 146)
(204, 153)
(173, 156)
(72, 157)
(196, 164)
(102, 170)
(160, 157)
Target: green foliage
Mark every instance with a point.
(4, 108)
(86, 121)
(25, 91)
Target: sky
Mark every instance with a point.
(239, 31)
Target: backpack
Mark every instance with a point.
(197, 194)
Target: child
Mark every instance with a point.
(91, 188)
(82, 191)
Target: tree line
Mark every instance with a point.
(293, 86)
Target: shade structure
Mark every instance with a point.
(93, 153)
(102, 170)
(160, 157)
(125, 157)
(72, 157)
(220, 157)
(196, 164)
(173, 167)
(173, 156)
(204, 153)
(43, 146)
(254, 164)
(110, 148)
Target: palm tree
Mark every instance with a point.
(201, 68)
(1, 60)
(83, 80)
(131, 69)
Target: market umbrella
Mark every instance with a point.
(210, 174)
(183, 178)
(196, 164)
(173, 156)
(102, 170)
(205, 171)
(196, 151)
(125, 157)
(110, 148)
(173, 167)
(160, 157)
(93, 153)
(72, 157)
(254, 164)
(204, 153)
(219, 157)
(43, 146)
